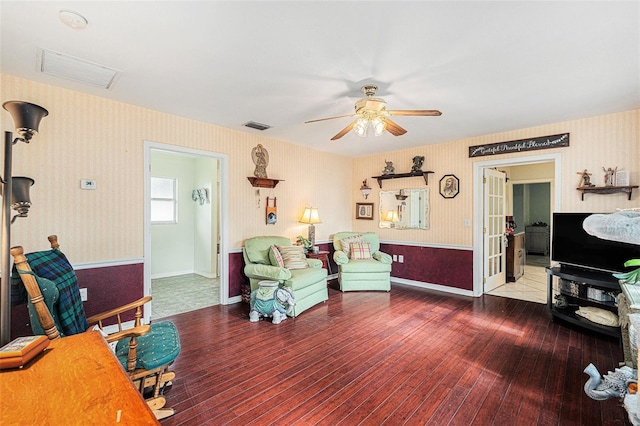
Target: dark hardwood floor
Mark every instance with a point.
(412, 356)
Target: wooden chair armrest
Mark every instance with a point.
(94, 319)
(130, 332)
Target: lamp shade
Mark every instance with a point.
(392, 216)
(26, 117)
(310, 215)
(20, 200)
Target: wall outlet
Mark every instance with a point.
(401, 258)
(87, 184)
(83, 294)
(395, 257)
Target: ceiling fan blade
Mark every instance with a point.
(394, 129)
(344, 131)
(419, 112)
(329, 118)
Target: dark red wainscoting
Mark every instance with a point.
(107, 288)
(236, 274)
(432, 265)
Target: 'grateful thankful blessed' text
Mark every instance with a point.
(544, 142)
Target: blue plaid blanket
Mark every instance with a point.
(68, 312)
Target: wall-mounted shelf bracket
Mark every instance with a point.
(606, 190)
(425, 175)
(263, 182)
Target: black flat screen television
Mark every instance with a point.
(572, 246)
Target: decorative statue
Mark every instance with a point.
(622, 226)
(260, 158)
(418, 161)
(270, 300)
(609, 176)
(612, 385)
(389, 169)
(586, 178)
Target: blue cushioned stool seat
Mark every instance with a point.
(159, 347)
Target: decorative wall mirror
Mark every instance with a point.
(404, 209)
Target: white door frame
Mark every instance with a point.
(478, 203)
(224, 202)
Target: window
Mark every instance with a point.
(163, 200)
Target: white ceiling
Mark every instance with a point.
(488, 66)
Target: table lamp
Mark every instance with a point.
(311, 217)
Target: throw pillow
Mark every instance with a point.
(345, 243)
(293, 257)
(360, 251)
(599, 316)
(275, 257)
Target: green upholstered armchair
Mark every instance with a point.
(308, 284)
(366, 269)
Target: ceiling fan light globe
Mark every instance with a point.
(361, 127)
(379, 126)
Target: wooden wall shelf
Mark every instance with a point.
(263, 182)
(606, 190)
(425, 175)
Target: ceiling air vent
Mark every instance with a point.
(257, 126)
(76, 69)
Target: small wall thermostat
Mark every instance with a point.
(87, 184)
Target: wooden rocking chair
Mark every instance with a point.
(56, 310)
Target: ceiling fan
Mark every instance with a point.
(373, 111)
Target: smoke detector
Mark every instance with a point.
(73, 19)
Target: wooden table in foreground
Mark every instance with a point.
(77, 380)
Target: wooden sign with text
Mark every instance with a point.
(543, 142)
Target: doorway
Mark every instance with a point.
(480, 253)
(530, 203)
(190, 251)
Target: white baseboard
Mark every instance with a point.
(234, 299)
(206, 274)
(438, 287)
(171, 274)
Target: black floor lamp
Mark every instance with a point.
(26, 118)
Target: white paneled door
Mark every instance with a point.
(494, 226)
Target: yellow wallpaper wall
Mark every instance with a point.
(605, 141)
(88, 137)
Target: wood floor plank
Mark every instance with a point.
(410, 356)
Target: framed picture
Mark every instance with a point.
(449, 186)
(622, 178)
(364, 211)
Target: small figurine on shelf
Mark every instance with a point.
(418, 161)
(389, 169)
(260, 158)
(609, 176)
(586, 178)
